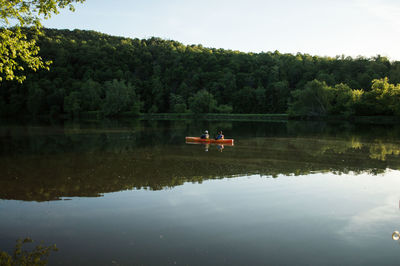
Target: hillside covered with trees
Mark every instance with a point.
(97, 73)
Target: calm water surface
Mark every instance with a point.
(134, 193)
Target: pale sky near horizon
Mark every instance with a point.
(324, 27)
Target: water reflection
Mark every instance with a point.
(220, 147)
(40, 163)
(206, 146)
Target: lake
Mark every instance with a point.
(134, 193)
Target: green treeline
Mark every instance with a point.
(102, 74)
(317, 98)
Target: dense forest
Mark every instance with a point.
(94, 73)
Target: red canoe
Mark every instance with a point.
(221, 141)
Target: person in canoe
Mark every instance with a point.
(219, 136)
(205, 135)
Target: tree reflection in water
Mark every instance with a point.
(41, 163)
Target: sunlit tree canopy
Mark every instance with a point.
(17, 52)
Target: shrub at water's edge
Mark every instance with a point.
(319, 99)
(22, 257)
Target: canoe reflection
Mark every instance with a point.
(206, 146)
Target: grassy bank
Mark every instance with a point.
(98, 115)
(382, 119)
(273, 117)
(232, 117)
(376, 119)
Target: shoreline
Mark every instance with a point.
(390, 120)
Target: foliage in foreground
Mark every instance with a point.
(17, 52)
(21, 257)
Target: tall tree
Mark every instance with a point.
(16, 51)
(314, 100)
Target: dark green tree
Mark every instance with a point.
(177, 104)
(314, 100)
(120, 97)
(72, 104)
(202, 102)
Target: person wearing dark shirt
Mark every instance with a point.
(220, 136)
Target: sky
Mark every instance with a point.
(325, 27)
